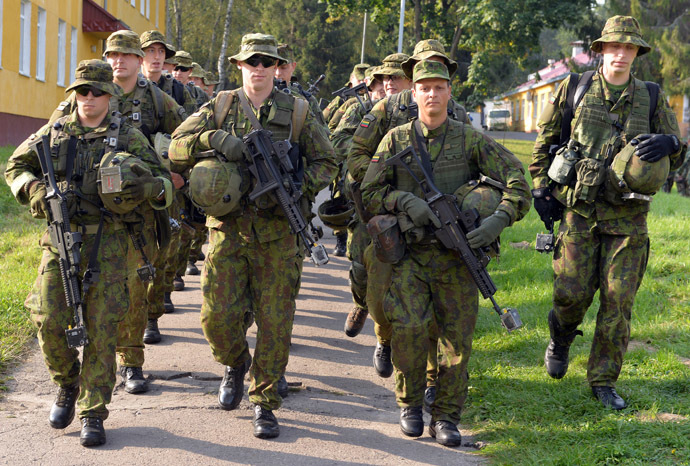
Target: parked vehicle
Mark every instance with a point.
(498, 120)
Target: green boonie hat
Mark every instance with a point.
(148, 38)
(360, 70)
(96, 73)
(426, 69)
(210, 80)
(257, 44)
(623, 29)
(425, 49)
(171, 61)
(123, 41)
(392, 66)
(285, 51)
(197, 71)
(183, 58)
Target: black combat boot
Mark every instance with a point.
(232, 387)
(62, 411)
(265, 423)
(92, 432)
(200, 256)
(445, 432)
(178, 283)
(283, 389)
(134, 380)
(340, 244)
(382, 360)
(167, 303)
(192, 269)
(556, 357)
(355, 321)
(412, 421)
(429, 397)
(152, 335)
(609, 398)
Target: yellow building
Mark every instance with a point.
(41, 43)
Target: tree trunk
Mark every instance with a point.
(177, 11)
(456, 40)
(417, 21)
(209, 60)
(168, 21)
(224, 45)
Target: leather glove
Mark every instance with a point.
(550, 210)
(227, 144)
(419, 211)
(144, 187)
(37, 200)
(654, 147)
(490, 229)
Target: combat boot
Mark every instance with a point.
(412, 421)
(200, 256)
(92, 432)
(62, 411)
(167, 303)
(283, 389)
(340, 244)
(445, 432)
(355, 321)
(609, 398)
(192, 269)
(232, 387)
(682, 187)
(134, 380)
(178, 283)
(152, 335)
(265, 423)
(382, 360)
(556, 357)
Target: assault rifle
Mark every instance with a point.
(314, 87)
(67, 242)
(346, 92)
(455, 224)
(278, 178)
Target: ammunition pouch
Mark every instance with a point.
(591, 174)
(562, 168)
(387, 238)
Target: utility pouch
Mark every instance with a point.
(590, 176)
(389, 245)
(562, 167)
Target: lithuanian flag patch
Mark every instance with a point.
(364, 124)
(375, 158)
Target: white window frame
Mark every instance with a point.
(72, 54)
(133, 3)
(41, 22)
(157, 15)
(25, 38)
(61, 52)
(142, 7)
(148, 9)
(1, 34)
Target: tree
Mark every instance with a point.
(224, 44)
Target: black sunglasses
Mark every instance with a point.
(182, 68)
(266, 61)
(84, 91)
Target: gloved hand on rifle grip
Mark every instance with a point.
(654, 147)
(144, 187)
(228, 145)
(550, 210)
(418, 210)
(490, 229)
(37, 200)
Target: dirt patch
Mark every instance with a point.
(521, 245)
(636, 344)
(661, 417)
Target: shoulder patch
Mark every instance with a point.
(375, 158)
(367, 120)
(552, 99)
(63, 105)
(196, 114)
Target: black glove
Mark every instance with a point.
(547, 206)
(654, 147)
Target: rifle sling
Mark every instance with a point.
(71, 156)
(247, 109)
(421, 143)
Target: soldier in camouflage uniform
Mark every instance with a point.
(79, 140)
(431, 286)
(284, 73)
(253, 258)
(196, 79)
(356, 77)
(602, 241)
(683, 176)
(210, 82)
(390, 112)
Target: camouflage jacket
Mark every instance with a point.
(662, 122)
(178, 92)
(253, 223)
(329, 111)
(341, 136)
(386, 114)
(23, 166)
(297, 92)
(465, 155)
(198, 94)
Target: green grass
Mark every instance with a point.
(20, 253)
(524, 417)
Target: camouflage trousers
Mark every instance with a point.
(357, 241)
(198, 242)
(105, 305)
(431, 287)
(142, 302)
(172, 252)
(609, 256)
(262, 277)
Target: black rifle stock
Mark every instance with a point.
(278, 179)
(455, 224)
(346, 92)
(67, 242)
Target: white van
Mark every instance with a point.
(498, 120)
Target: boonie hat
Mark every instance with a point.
(123, 41)
(210, 80)
(425, 49)
(426, 69)
(623, 29)
(96, 73)
(148, 38)
(285, 51)
(392, 66)
(197, 71)
(257, 44)
(183, 58)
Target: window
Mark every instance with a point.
(72, 54)
(61, 52)
(148, 9)
(133, 3)
(25, 38)
(142, 7)
(157, 11)
(41, 45)
(0, 34)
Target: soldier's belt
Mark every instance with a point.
(93, 229)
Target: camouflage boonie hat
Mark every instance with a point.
(257, 44)
(171, 61)
(96, 73)
(360, 70)
(123, 41)
(210, 80)
(426, 69)
(149, 38)
(197, 71)
(425, 49)
(392, 66)
(285, 51)
(183, 58)
(370, 76)
(623, 29)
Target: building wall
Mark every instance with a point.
(681, 107)
(23, 97)
(526, 107)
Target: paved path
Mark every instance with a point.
(338, 412)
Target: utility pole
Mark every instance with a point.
(364, 36)
(402, 24)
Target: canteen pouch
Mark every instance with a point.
(386, 236)
(562, 167)
(590, 176)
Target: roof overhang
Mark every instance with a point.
(97, 21)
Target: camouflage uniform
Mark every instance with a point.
(431, 284)
(253, 258)
(329, 111)
(177, 91)
(107, 301)
(602, 243)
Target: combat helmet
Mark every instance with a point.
(481, 196)
(216, 186)
(628, 173)
(335, 214)
(115, 169)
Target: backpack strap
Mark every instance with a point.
(157, 95)
(577, 86)
(222, 107)
(653, 89)
(299, 116)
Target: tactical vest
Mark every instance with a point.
(172, 87)
(450, 169)
(144, 108)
